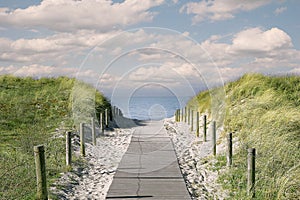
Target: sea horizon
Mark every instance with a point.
(149, 107)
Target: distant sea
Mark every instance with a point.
(149, 108)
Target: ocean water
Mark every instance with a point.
(150, 108)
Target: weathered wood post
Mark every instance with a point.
(106, 118)
(102, 123)
(93, 131)
(113, 111)
(82, 145)
(68, 149)
(40, 164)
(189, 116)
(110, 115)
(204, 128)
(214, 143)
(192, 120)
(185, 114)
(182, 114)
(251, 173)
(197, 124)
(229, 150)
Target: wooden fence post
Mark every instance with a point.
(214, 144)
(110, 115)
(192, 120)
(229, 150)
(68, 149)
(204, 128)
(40, 164)
(189, 116)
(82, 145)
(185, 114)
(251, 173)
(197, 124)
(93, 131)
(106, 118)
(102, 123)
(181, 114)
(113, 111)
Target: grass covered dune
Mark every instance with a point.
(33, 112)
(262, 112)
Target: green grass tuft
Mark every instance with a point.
(30, 112)
(263, 112)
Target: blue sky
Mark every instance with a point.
(191, 45)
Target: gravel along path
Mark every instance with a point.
(91, 178)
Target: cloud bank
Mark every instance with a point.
(218, 10)
(70, 16)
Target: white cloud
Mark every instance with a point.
(229, 73)
(55, 48)
(280, 10)
(153, 74)
(250, 50)
(217, 10)
(108, 81)
(35, 70)
(257, 40)
(295, 71)
(67, 15)
(167, 72)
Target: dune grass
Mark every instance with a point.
(263, 113)
(34, 112)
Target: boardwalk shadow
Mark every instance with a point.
(123, 122)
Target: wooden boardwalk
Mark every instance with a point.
(149, 169)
